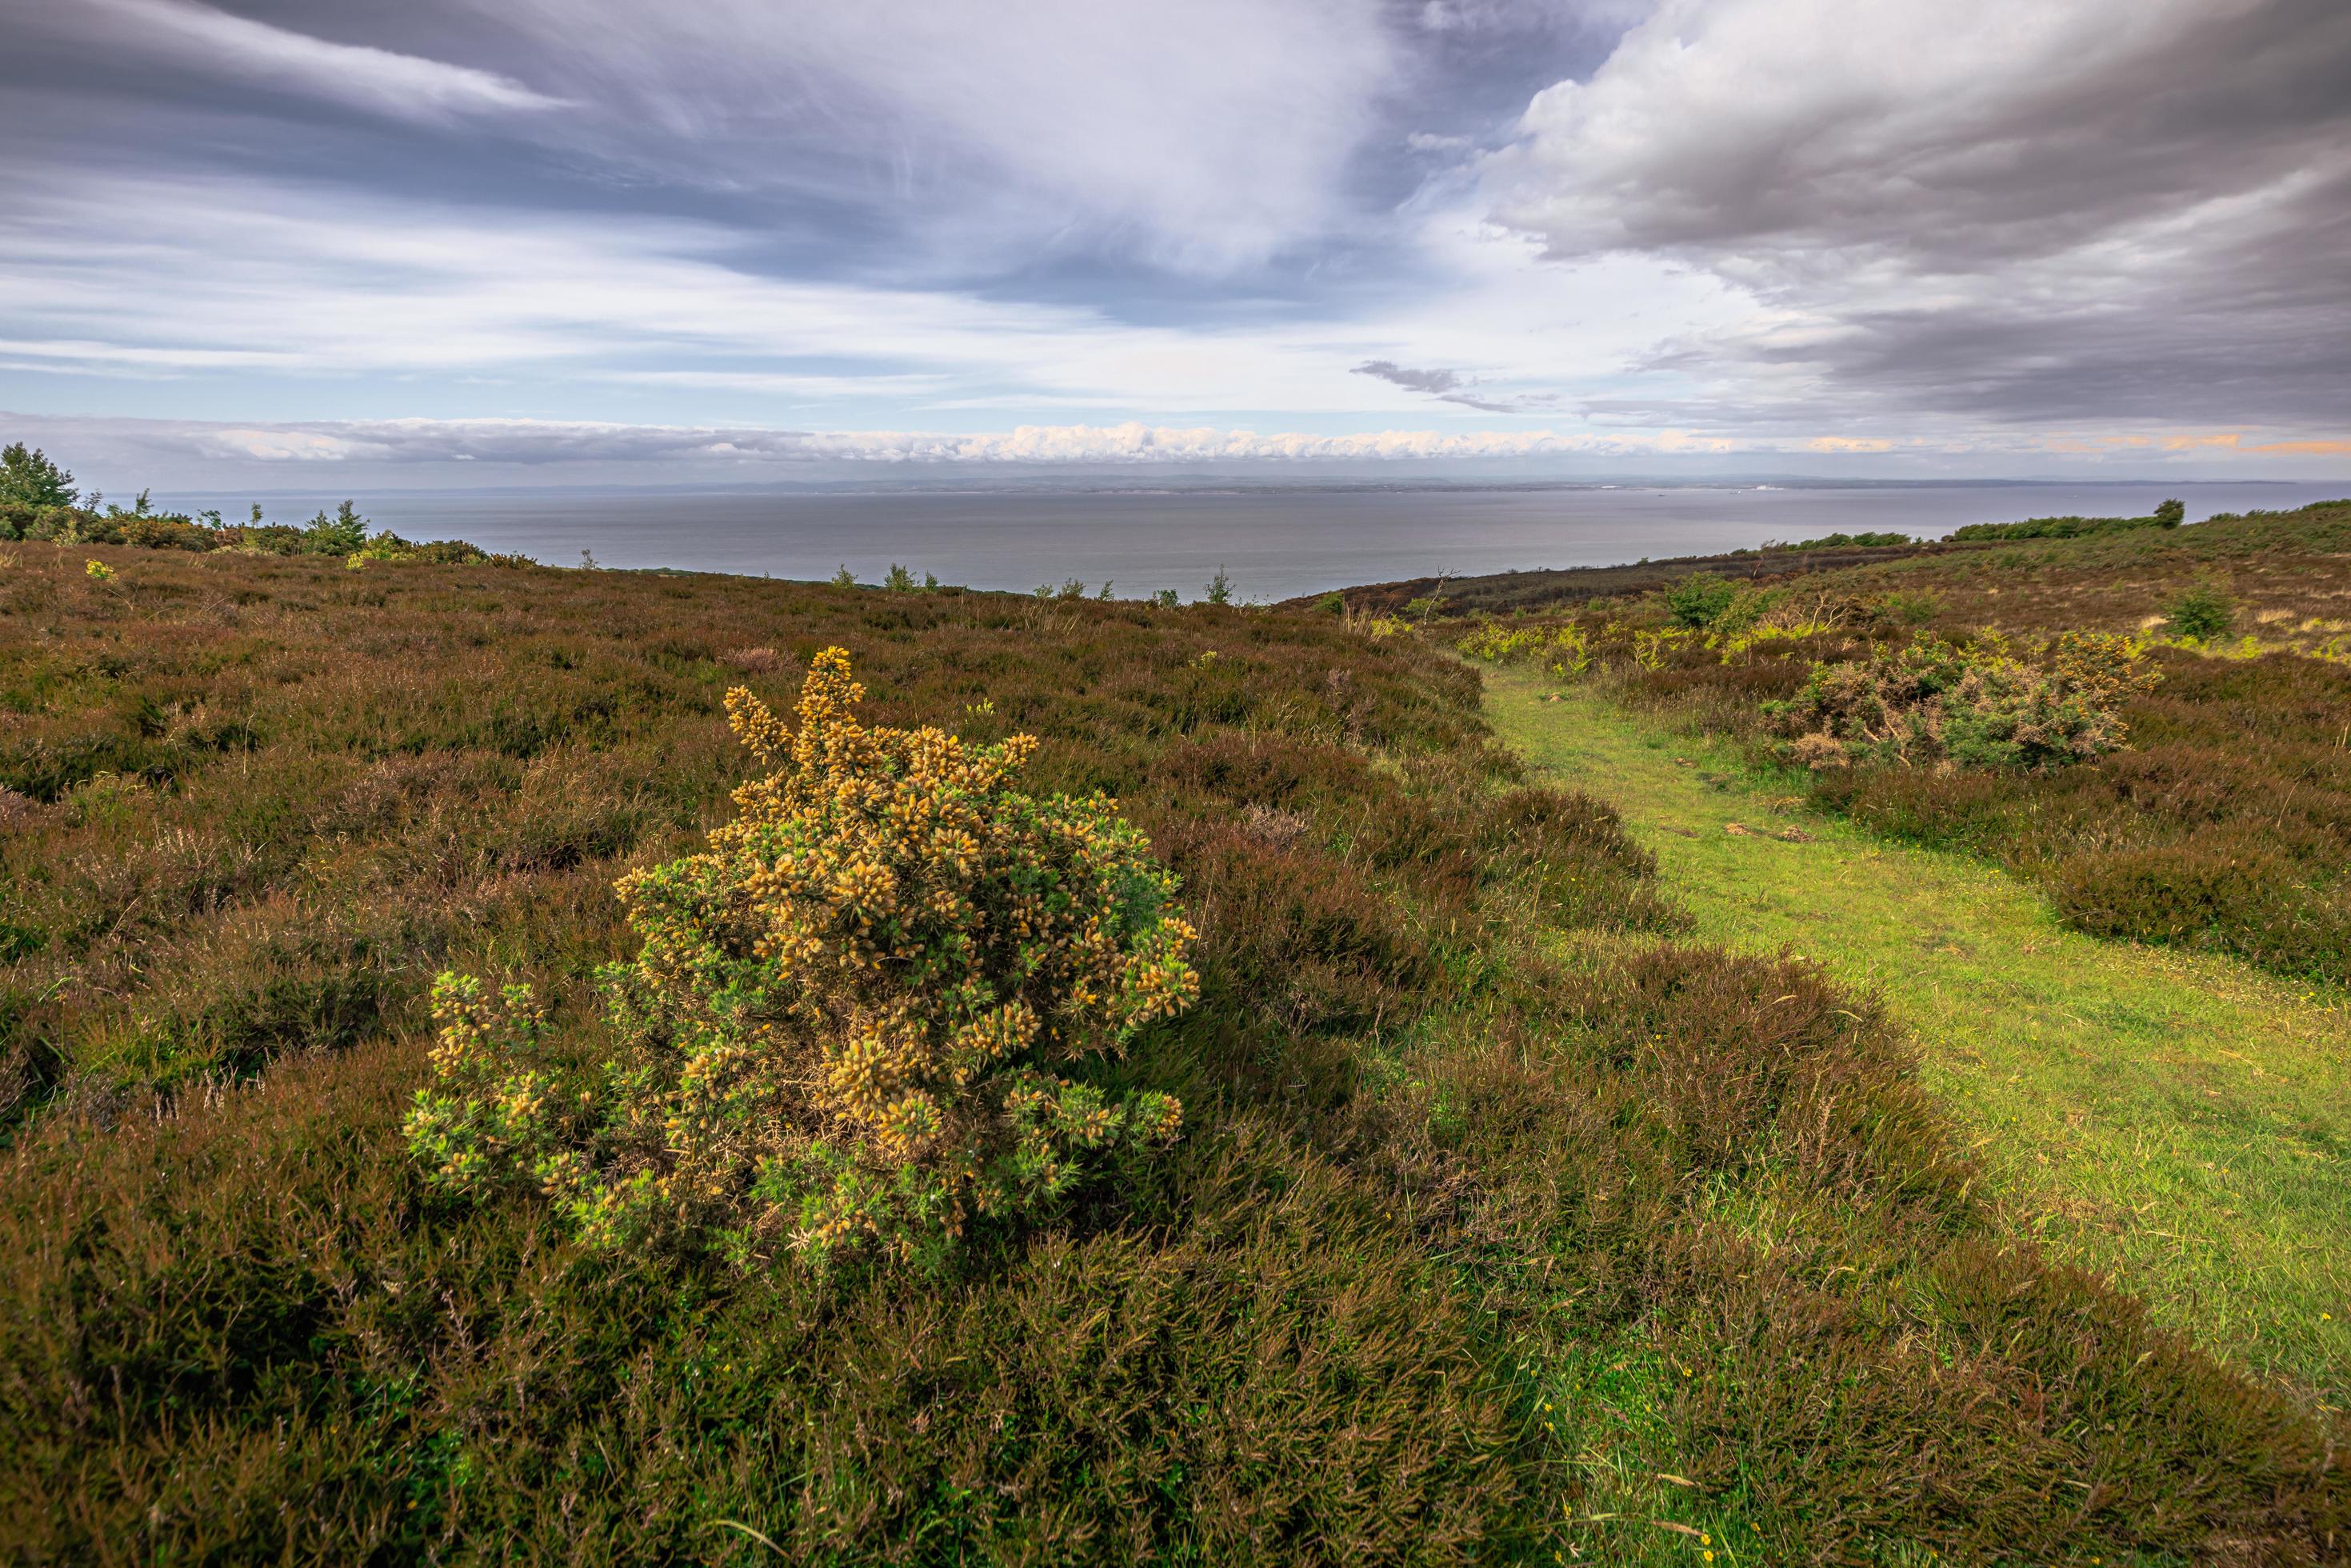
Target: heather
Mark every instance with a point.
(1503, 1219)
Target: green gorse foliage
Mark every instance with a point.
(842, 1027)
(1867, 539)
(1941, 705)
(2204, 612)
(1699, 600)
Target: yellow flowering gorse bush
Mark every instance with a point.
(843, 1026)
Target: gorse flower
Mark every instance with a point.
(843, 1026)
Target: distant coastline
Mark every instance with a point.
(1275, 542)
(1100, 485)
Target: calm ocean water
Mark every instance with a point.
(1275, 543)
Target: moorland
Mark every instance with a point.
(1536, 1196)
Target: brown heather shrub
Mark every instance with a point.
(16, 809)
(2221, 894)
(753, 661)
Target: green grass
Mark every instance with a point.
(2180, 1120)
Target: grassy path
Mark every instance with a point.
(2183, 1123)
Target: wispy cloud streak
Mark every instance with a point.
(203, 37)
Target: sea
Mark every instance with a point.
(1271, 542)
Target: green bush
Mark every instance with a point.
(151, 531)
(25, 520)
(2167, 515)
(2204, 612)
(1943, 706)
(841, 1028)
(1699, 600)
(1846, 541)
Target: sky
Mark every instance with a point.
(438, 242)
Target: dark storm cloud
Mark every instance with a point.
(2014, 210)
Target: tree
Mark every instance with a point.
(2171, 514)
(340, 534)
(30, 477)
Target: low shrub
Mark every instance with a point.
(2226, 895)
(1943, 706)
(842, 1026)
(1909, 609)
(2204, 612)
(1700, 599)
